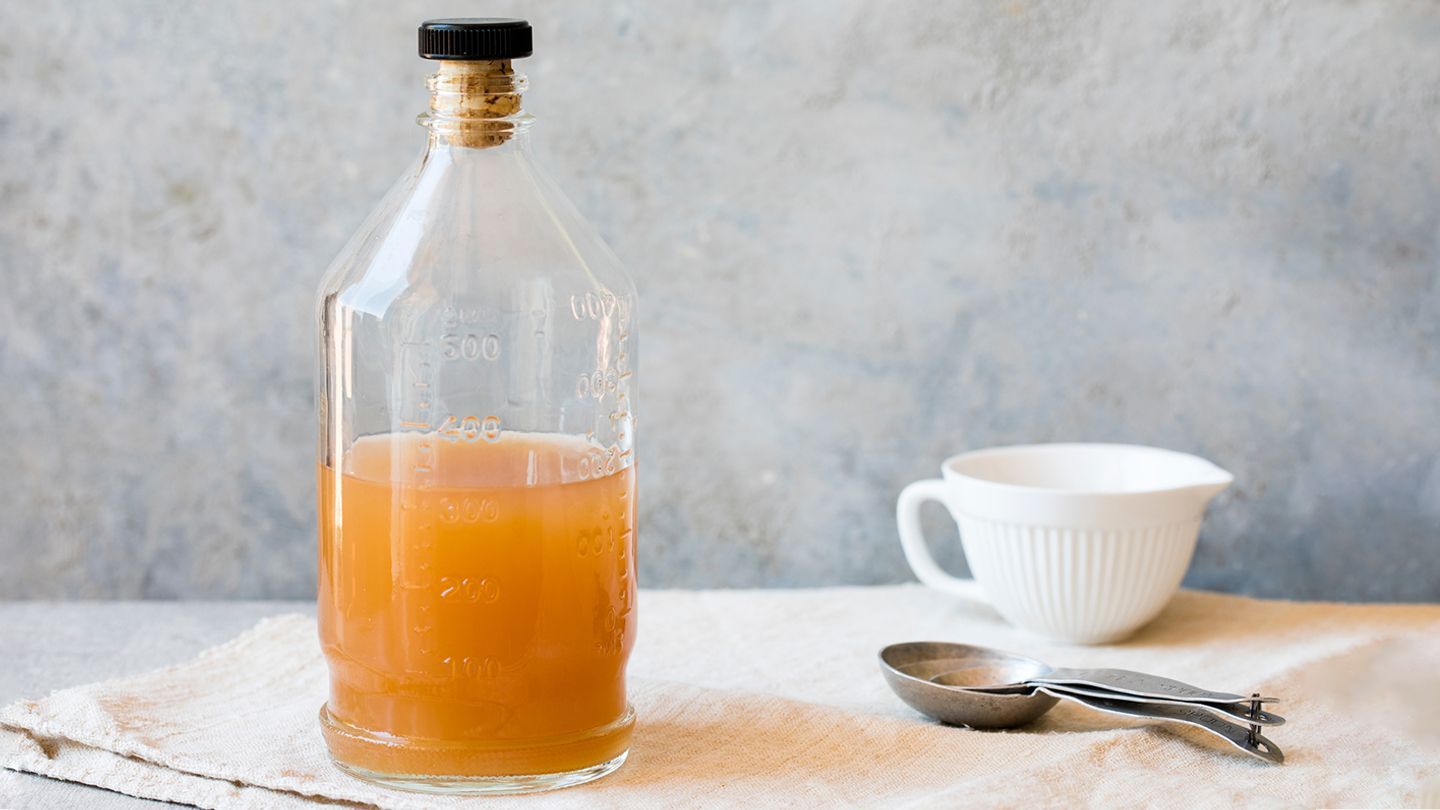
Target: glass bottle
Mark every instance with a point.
(476, 459)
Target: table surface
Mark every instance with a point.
(818, 646)
(83, 642)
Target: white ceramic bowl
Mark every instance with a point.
(1082, 543)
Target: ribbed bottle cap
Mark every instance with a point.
(475, 38)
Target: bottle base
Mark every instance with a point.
(484, 785)
(469, 767)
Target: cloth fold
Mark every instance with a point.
(236, 727)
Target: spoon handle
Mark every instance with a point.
(1239, 712)
(1139, 684)
(1256, 744)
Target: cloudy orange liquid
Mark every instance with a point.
(476, 613)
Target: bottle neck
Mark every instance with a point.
(476, 105)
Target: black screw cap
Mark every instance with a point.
(475, 38)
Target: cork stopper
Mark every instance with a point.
(475, 103)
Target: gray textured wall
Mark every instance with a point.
(865, 237)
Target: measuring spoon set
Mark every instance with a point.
(983, 688)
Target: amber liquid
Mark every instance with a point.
(476, 612)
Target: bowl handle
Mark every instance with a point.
(912, 538)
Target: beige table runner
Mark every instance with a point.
(772, 698)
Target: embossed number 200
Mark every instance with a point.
(468, 589)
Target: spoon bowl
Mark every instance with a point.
(910, 667)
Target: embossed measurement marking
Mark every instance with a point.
(593, 306)
(416, 574)
(594, 542)
(472, 666)
(469, 509)
(471, 590)
(470, 346)
(468, 429)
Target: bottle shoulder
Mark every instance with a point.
(462, 223)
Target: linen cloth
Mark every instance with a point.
(774, 698)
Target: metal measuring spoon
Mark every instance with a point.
(1240, 712)
(1195, 714)
(982, 679)
(1139, 684)
(992, 689)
